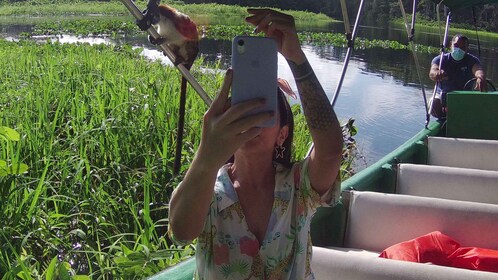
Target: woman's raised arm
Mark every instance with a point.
(324, 127)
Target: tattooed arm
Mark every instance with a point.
(324, 127)
(325, 159)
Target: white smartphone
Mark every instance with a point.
(255, 64)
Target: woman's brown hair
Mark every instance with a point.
(286, 118)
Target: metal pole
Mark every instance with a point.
(348, 54)
(164, 47)
(346, 62)
(477, 33)
(344, 7)
(411, 36)
(414, 15)
(438, 13)
(448, 18)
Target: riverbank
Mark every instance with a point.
(199, 12)
(455, 27)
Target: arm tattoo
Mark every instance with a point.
(317, 108)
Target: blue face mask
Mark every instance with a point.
(457, 54)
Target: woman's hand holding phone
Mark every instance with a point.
(280, 27)
(255, 65)
(225, 129)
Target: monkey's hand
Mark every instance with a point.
(157, 41)
(174, 49)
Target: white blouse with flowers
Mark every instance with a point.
(226, 248)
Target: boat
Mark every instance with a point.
(443, 179)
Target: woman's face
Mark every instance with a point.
(266, 141)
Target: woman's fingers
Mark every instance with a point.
(238, 110)
(281, 27)
(233, 121)
(248, 122)
(265, 20)
(248, 134)
(257, 15)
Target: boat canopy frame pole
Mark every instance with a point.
(445, 40)
(144, 21)
(438, 15)
(477, 33)
(350, 38)
(345, 16)
(411, 36)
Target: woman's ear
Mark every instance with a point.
(283, 133)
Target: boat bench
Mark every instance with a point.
(464, 153)
(447, 182)
(377, 221)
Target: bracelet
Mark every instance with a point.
(302, 71)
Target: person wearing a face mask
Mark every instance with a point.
(457, 67)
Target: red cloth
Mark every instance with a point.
(475, 258)
(440, 249)
(434, 247)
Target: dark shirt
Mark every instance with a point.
(459, 72)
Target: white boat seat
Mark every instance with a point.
(377, 220)
(339, 264)
(356, 252)
(464, 153)
(448, 182)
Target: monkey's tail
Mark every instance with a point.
(181, 124)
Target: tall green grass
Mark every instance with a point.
(98, 125)
(9, 161)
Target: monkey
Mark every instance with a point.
(180, 33)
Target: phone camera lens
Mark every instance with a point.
(241, 42)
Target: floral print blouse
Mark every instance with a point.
(226, 249)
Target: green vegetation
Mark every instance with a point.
(9, 159)
(86, 27)
(215, 21)
(97, 126)
(67, 8)
(433, 26)
(202, 13)
(115, 27)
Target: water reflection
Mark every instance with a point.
(381, 89)
(387, 112)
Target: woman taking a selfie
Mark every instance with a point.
(252, 217)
